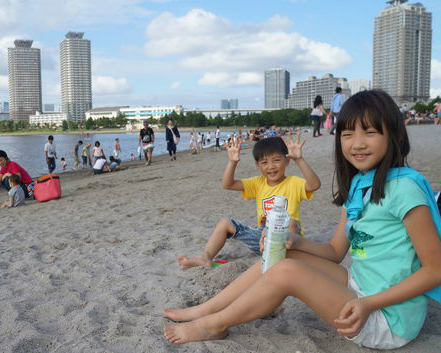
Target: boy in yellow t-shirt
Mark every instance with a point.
(272, 156)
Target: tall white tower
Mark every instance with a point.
(402, 51)
(276, 88)
(24, 73)
(76, 76)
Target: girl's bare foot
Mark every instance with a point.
(187, 314)
(195, 261)
(192, 332)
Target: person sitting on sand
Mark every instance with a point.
(114, 164)
(100, 166)
(392, 236)
(272, 156)
(9, 168)
(16, 196)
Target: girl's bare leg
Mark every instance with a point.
(290, 277)
(219, 301)
(214, 245)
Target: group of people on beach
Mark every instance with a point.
(390, 224)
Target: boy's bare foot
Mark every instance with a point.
(195, 261)
(191, 332)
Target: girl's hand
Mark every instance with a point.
(291, 240)
(352, 317)
(233, 150)
(294, 148)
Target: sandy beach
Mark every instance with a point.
(92, 271)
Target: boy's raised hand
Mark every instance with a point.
(294, 148)
(233, 150)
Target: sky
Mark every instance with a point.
(196, 52)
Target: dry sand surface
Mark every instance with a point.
(91, 272)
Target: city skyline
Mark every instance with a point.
(195, 53)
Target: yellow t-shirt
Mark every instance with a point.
(292, 188)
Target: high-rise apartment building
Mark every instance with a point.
(402, 51)
(304, 93)
(276, 88)
(24, 72)
(232, 103)
(76, 76)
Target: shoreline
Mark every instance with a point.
(120, 131)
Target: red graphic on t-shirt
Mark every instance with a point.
(268, 205)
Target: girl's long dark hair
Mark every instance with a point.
(377, 109)
(318, 101)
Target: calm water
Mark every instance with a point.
(28, 151)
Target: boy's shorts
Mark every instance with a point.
(250, 236)
(375, 333)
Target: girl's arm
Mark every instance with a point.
(427, 244)
(334, 251)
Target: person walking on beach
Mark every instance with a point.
(208, 138)
(51, 154)
(337, 103)
(390, 225)
(272, 156)
(146, 141)
(85, 155)
(316, 115)
(117, 149)
(217, 147)
(76, 156)
(172, 137)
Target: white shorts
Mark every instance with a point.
(148, 147)
(375, 333)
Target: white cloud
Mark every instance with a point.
(175, 85)
(436, 69)
(225, 79)
(107, 85)
(201, 40)
(435, 92)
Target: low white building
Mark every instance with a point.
(104, 112)
(56, 118)
(138, 114)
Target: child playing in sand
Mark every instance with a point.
(272, 156)
(16, 196)
(389, 223)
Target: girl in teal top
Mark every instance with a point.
(389, 226)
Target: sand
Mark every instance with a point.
(92, 271)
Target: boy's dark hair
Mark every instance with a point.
(14, 179)
(377, 109)
(80, 142)
(62, 158)
(3, 154)
(97, 143)
(269, 146)
(50, 137)
(338, 90)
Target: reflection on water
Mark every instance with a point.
(28, 151)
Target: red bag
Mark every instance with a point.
(47, 188)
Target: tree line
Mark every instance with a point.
(282, 117)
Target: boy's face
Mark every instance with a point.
(272, 167)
